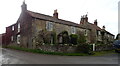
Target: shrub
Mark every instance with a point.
(81, 38)
(84, 48)
(73, 39)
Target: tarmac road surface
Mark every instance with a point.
(10, 56)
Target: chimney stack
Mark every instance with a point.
(103, 27)
(84, 19)
(95, 22)
(24, 6)
(55, 15)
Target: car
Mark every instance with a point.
(116, 45)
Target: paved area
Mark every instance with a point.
(10, 56)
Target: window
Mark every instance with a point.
(112, 37)
(99, 33)
(18, 39)
(18, 27)
(12, 28)
(11, 38)
(105, 34)
(73, 30)
(85, 32)
(49, 26)
(108, 35)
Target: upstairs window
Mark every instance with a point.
(49, 26)
(18, 27)
(73, 30)
(12, 28)
(18, 39)
(99, 33)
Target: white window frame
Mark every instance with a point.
(49, 26)
(11, 38)
(13, 28)
(86, 33)
(18, 39)
(73, 30)
(18, 27)
(99, 33)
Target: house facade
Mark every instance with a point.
(29, 24)
(118, 36)
(99, 35)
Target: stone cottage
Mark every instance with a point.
(29, 24)
(99, 35)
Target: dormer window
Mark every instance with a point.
(18, 27)
(49, 26)
(12, 28)
(73, 30)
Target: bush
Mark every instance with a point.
(73, 39)
(84, 48)
(81, 37)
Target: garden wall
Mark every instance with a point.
(58, 48)
(71, 49)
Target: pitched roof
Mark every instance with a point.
(50, 18)
(95, 26)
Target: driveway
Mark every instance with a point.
(10, 56)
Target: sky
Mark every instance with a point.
(105, 11)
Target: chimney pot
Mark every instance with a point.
(55, 15)
(95, 22)
(104, 27)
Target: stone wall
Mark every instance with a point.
(38, 25)
(58, 48)
(104, 47)
(70, 49)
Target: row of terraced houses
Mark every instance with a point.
(29, 23)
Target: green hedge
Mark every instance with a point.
(84, 48)
(73, 39)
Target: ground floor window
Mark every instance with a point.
(18, 39)
(11, 38)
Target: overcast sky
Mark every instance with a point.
(105, 11)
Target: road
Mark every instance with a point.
(10, 56)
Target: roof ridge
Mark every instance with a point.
(51, 16)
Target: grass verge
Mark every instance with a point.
(47, 52)
(100, 53)
(96, 53)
